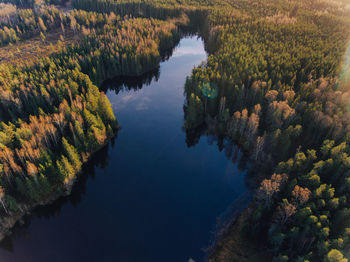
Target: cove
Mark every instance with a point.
(147, 196)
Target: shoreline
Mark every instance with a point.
(231, 244)
(9, 221)
(234, 246)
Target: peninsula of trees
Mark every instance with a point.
(53, 116)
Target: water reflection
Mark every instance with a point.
(155, 195)
(128, 83)
(100, 160)
(233, 152)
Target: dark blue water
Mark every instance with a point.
(146, 198)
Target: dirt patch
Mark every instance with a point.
(29, 51)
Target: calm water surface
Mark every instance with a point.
(145, 198)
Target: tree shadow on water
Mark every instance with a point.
(99, 160)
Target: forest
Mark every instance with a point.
(53, 115)
(276, 82)
(276, 87)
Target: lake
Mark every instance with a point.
(147, 197)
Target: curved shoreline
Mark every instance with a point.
(8, 222)
(234, 246)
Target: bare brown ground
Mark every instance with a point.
(29, 51)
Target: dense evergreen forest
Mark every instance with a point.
(276, 83)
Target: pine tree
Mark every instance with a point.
(72, 154)
(106, 112)
(44, 185)
(65, 169)
(32, 192)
